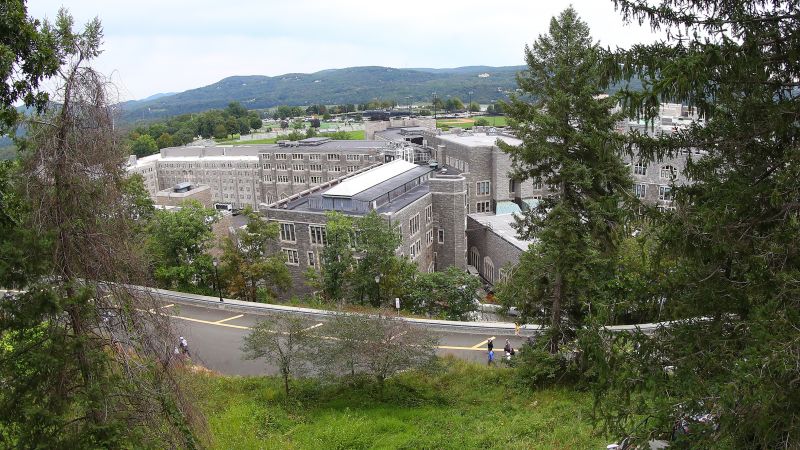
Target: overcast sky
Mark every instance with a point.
(173, 45)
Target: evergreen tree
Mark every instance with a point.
(569, 143)
(735, 236)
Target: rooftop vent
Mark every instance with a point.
(182, 187)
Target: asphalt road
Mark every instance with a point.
(215, 337)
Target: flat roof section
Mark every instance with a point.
(370, 178)
(501, 225)
(391, 184)
(479, 139)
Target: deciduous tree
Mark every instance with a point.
(248, 267)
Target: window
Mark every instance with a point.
(314, 157)
(280, 166)
(483, 188)
(280, 155)
(315, 167)
(483, 207)
(312, 262)
(299, 179)
(413, 225)
(265, 155)
(352, 168)
(640, 190)
(297, 156)
(474, 257)
(669, 172)
(336, 169)
(488, 269)
(292, 258)
(665, 193)
(287, 232)
(267, 166)
(317, 234)
(268, 178)
(283, 178)
(441, 236)
(333, 157)
(512, 186)
(640, 168)
(415, 248)
(537, 184)
(298, 167)
(316, 179)
(429, 238)
(353, 157)
(428, 213)
(505, 275)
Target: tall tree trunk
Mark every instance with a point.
(555, 319)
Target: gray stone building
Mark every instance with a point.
(249, 175)
(404, 194)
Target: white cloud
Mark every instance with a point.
(156, 46)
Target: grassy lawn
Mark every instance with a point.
(495, 121)
(460, 406)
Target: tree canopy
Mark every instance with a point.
(568, 143)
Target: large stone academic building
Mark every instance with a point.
(450, 195)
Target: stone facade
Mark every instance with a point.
(449, 219)
(492, 254)
(201, 193)
(249, 175)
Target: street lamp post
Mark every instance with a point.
(378, 286)
(216, 280)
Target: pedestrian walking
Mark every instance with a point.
(491, 357)
(516, 328)
(184, 345)
(490, 344)
(508, 350)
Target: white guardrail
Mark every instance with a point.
(448, 325)
(205, 301)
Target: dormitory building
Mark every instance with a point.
(449, 194)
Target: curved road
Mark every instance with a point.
(215, 337)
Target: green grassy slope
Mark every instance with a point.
(463, 406)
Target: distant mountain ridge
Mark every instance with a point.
(332, 86)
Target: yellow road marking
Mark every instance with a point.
(239, 327)
(168, 306)
(482, 343)
(229, 318)
(312, 327)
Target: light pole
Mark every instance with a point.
(434, 106)
(216, 280)
(378, 287)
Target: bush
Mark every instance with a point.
(536, 367)
(481, 122)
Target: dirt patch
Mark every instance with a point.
(448, 121)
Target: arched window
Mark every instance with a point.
(474, 258)
(488, 269)
(669, 172)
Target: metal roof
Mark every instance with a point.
(370, 178)
(391, 184)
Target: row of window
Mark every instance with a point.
(314, 156)
(667, 172)
(664, 192)
(316, 233)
